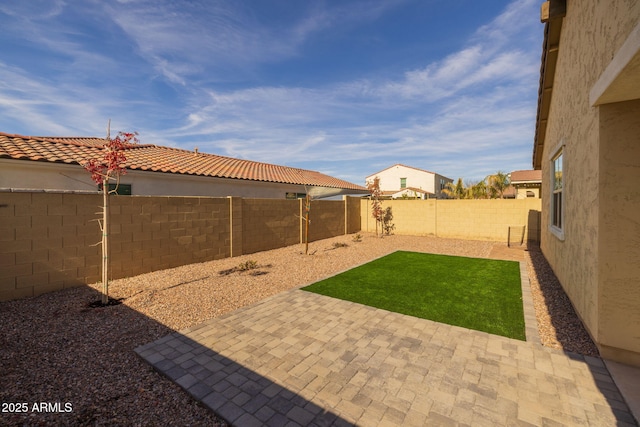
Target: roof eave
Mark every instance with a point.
(552, 13)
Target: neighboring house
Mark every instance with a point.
(587, 145)
(410, 193)
(54, 163)
(524, 184)
(400, 181)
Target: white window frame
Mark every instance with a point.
(557, 195)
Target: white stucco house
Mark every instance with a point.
(55, 164)
(400, 181)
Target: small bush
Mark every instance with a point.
(249, 265)
(337, 245)
(387, 217)
(243, 266)
(357, 238)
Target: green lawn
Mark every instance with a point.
(474, 293)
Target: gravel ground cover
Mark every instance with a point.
(64, 363)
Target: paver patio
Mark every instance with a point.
(299, 358)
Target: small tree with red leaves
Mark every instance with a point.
(104, 170)
(376, 205)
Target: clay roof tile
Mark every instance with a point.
(147, 157)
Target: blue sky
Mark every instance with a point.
(346, 88)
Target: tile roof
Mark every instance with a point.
(528, 175)
(509, 192)
(155, 158)
(415, 189)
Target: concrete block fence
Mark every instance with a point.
(48, 240)
(462, 219)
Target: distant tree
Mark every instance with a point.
(498, 183)
(479, 190)
(103, 171)
(376, 205)
(455, 191)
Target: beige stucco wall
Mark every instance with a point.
(522, 192)
(425, 180)
(577, 256)
(619, 222)
(60, 176)
(464, 219)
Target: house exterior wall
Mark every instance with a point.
(438, 187)
(390, 179)
(522, 191)
(463, 219)
(59, 176)
(579, 255)
(619, 224)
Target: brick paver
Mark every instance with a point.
(300, 358)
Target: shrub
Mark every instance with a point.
(387, 217)
(248, 265)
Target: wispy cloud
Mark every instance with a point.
(474, 101)
(188, 39)
(162, 67)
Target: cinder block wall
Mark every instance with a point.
(269, 224)
(326, 217)
(464, 219)
(45, 242)
(352, 214)
(485, 219)
(154, 233)
(48, 240)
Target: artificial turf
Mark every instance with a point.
(475, 293)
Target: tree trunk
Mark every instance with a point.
(105, 241)
(306, 220)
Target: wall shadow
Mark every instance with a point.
(534, 221)
(569, 329)
(572, 335)
(80, 362)
(235, 393)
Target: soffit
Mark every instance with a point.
(620, 81)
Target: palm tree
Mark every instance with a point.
(479, 190)
(498, 183)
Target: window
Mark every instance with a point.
(403, 182)
(557, 185)
(121, 190)
(294, 196)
